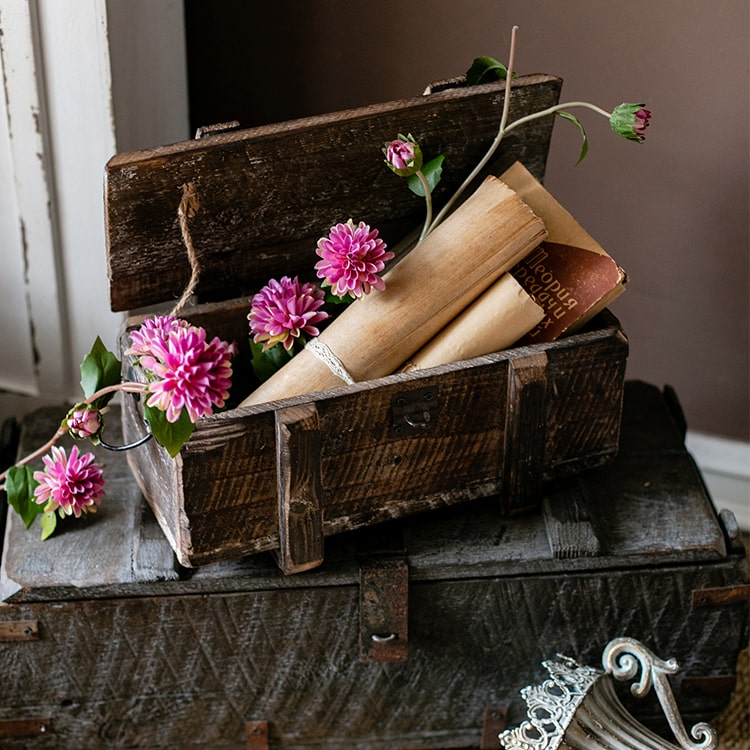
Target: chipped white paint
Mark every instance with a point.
(33, 318)
(58, 125)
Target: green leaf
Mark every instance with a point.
(99, 369)
(432, 172)
(577, 123)
(331, 298)
(266, 363)
(170, 435)
(19, 486)
(485, 69)
(49, 524)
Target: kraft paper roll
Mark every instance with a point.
(482, 239)
(493, 322)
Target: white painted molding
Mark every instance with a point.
(32, 231)
(82, 80)
(725, 465)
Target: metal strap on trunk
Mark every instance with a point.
(383, 596)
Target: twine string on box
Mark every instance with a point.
(325, 354)
(189, 206)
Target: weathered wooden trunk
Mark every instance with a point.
(416, 634)
(498, 425)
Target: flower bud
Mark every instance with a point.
(83, 421)
(403, 156)
(630, 121)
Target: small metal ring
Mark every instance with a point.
(138, 442)
(418, 421)
(383, 638)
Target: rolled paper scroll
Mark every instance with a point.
(494, 321)
(442, 275)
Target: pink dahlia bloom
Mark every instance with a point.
(284, 310)
(70, 485)
(153, 329)
(189, 373)
(83, 421)
(353, 256)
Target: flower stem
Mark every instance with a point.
(503, 130)
(552, 110)
(428, 202)
(498, 138)
(126, 387)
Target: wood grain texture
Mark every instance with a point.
(266, 194)
(134, 657)
(298, 489)
(165, 672)
(219, 499)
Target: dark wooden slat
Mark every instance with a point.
(266, 194)
(299, 492)
(526, 428)
(153, 672)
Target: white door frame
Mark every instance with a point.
(83, 79)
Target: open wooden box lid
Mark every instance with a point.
(265, 195)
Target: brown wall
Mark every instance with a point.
(673, 211)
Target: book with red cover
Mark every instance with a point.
(569, 274)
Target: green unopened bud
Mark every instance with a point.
(403, 156)
(630, 121)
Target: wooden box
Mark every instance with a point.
(498, 425)
(419, 636)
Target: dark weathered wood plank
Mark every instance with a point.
(98, 551)
(299, 491)
(155, 672)
(265, 195)
(525, 431)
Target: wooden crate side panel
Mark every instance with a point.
(153, 672)
(374, 466)
(265, 195)
(218, 499)
(585, 380)
(368, 472)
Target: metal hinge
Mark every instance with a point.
(15, 728)
(221, 127)
(414, 412)
(718, 684)
(722, 596)
(256, 735)
(383, 598)
(19, 630)
(494, 724)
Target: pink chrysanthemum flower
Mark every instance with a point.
(70, 485)
(353, 256)
(83, 421)
(152, 329)
(283, 310)
(189, 373)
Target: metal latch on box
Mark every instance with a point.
(414, 412)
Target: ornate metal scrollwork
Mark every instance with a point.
(578, 705)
